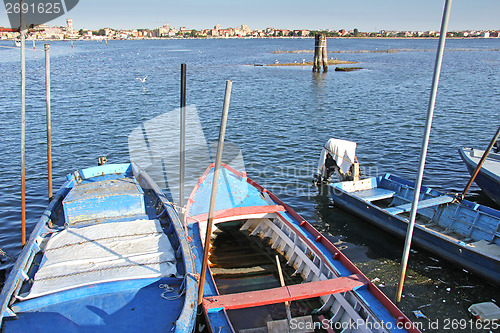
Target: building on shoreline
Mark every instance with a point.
(166, 31)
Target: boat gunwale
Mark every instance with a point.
(14, 281)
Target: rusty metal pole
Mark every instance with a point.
(211, 209)
(49, 123)
(22, 31)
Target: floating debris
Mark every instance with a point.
(419, 314)
(347, 69)
(485, 311)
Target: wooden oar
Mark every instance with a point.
(287, 304)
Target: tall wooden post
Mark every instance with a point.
(182, 153)
(320, 54)
(316, 65)
(213, 196)
(324, 53)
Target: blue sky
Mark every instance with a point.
(366, 15)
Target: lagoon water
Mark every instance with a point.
(279, 117)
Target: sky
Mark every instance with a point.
(365, 15)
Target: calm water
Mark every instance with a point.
(280, 117)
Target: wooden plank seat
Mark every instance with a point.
(245, 212)
(284, 294)
(375, 194)
(421, 204)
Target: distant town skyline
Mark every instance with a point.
(365, 15)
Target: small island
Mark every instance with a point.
(310, 63)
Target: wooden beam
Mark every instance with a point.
(236, 212)
(284, 294)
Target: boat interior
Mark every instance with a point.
(320, 287)
(462, 220)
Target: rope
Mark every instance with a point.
(168, 289)
(100, 239)
(3, 254)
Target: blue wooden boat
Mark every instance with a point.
(109, 254)
(488, 178)
(347, 300)
(460, 231)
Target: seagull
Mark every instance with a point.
(142, 80)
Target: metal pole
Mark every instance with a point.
(480, 164)
(22, 31)
(213, 196)
(423, 152)
(182, 154)
(49, 122)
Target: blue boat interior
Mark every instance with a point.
(142, 295)
(464, 220)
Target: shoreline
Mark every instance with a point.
(238, 38)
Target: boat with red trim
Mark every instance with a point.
(342, 297)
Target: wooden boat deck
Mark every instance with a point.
(436, 201)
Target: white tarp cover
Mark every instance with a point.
(104, 252)
(343, 153)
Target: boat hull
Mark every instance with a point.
(487, 180)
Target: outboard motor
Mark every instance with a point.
(337, 157)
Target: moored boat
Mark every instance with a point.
(460, 231)
(108, 254)
(346, 299)
(488, 178)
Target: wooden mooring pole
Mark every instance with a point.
(49, 123)
(320, 53)
(213, 196)
(182, 146)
